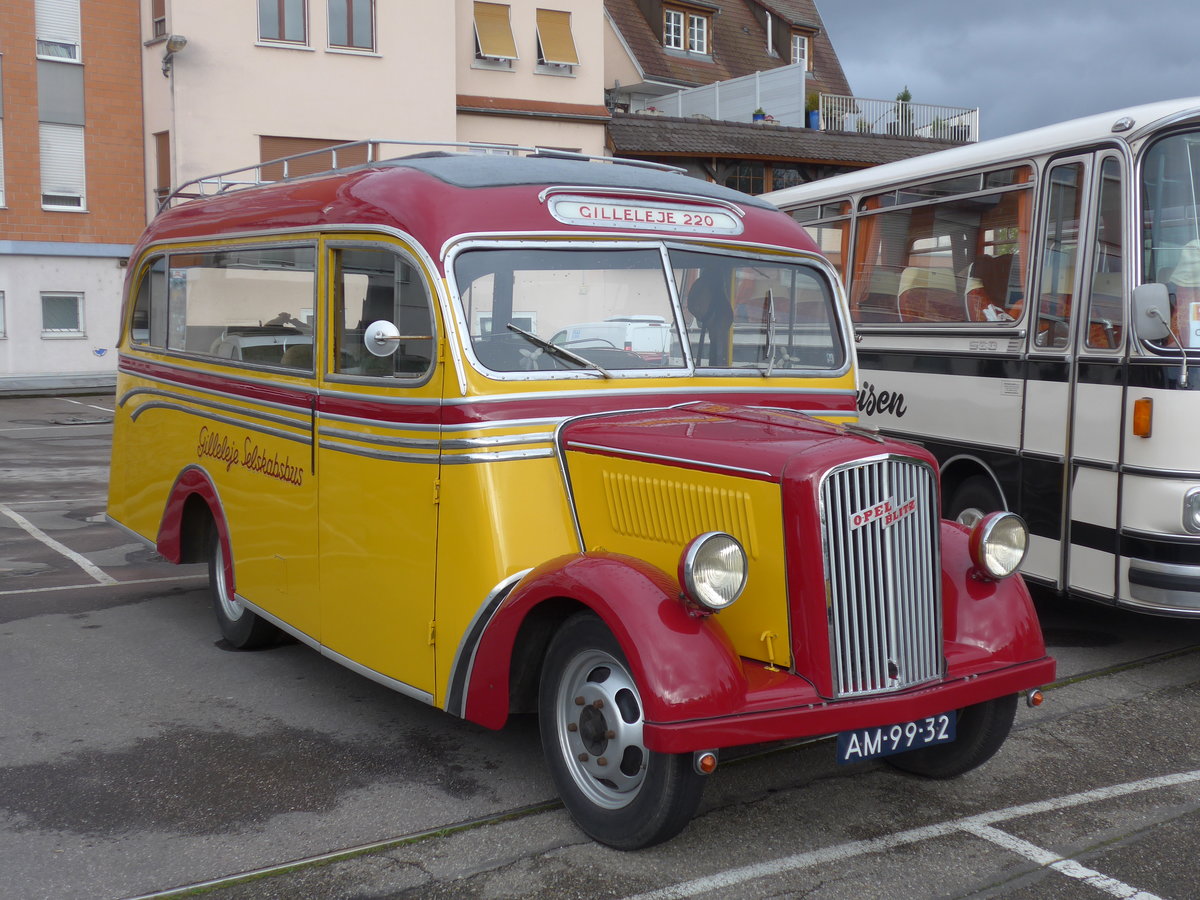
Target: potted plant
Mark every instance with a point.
(812, 111)
(759, 115)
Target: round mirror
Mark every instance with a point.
(381, 338)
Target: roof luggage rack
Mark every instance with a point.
(368, 152)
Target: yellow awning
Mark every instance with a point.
(554, 33)
(494, 32)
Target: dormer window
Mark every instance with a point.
(686, 29)
(802, 49)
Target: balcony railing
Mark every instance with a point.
(865, 116)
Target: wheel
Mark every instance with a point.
(980, 731)
(974, 499)
(590, 714)
(239, 626)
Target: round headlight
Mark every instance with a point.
(998, 544)
(1191, 511)
(713, 570)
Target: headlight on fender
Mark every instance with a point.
(1191, 511)
(998, 543)
(713, 571)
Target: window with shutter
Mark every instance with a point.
(57, 26)
(64, 182)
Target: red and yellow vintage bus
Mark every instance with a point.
(378, 401)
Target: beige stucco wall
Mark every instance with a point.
(226, 89)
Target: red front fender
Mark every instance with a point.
(684, 664)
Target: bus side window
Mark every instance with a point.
(379, 285)
(1060, 253)
(1106, 314)
(149, 323)
(250, 305)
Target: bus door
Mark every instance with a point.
(378, 459)
(1093, 526)
(1046, 432)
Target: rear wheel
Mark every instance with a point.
(979, 733)
(591, 717)
(239, 626)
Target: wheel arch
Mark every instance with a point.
(958, 469)
(684, 664)
(192, 503)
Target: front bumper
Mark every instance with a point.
(780, 706)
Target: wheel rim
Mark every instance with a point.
(599, 723)
(231, 607)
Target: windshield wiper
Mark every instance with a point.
(558, 351)
(770, 332)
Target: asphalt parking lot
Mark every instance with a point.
(139, 756)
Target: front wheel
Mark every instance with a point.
(591, 717)
(239, 626)
(980, 731)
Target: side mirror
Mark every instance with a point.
(1152, 311)
(381, 338)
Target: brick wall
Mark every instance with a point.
(111, 54)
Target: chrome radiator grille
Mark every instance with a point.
(879, 527)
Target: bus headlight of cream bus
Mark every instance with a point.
(713, 571)
(1191, 511)
(998, 544)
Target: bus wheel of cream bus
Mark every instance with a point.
(979, 733)
(591, 717)
(239, 626)
(974, 499)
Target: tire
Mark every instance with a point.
(980, 732)
(239, 626)
(974, 499)
(590, 716)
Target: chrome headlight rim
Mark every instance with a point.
(1191, 511)
(989, 531)
(698, 551)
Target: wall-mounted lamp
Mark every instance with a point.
(175, 43)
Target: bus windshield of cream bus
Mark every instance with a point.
(1171, 231)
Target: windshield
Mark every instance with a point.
(612, 312)
(1171, 237)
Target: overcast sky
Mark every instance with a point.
(1024, 63)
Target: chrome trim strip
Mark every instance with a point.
(657, 457)
(437, 458)
(690, 392)
(130, 532)
(471, 636)
(225, 407)
(379, 678)
(305, 439)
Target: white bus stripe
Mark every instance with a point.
(971, 824)
(81, 561)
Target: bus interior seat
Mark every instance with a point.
(298, 356)
(929, 295)
(987, 288)
(879, 303)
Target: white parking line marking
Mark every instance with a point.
(81, 587)
(82, 561)
(90, 405)
(971, 825)
(1068, 867)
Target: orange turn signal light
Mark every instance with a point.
(706, 762)
(1035, 698)
(1143, 416)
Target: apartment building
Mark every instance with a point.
(70, 185)
(245, 81)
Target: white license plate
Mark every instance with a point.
(884, 740)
